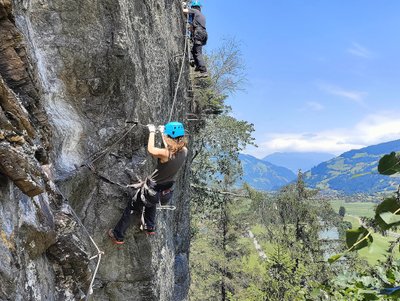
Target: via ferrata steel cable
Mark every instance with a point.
(181, 70)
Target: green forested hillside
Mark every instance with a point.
(355, 171)
(263, 175)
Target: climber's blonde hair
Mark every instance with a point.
(175, 145)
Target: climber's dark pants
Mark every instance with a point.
(200, 39)
(133, 211)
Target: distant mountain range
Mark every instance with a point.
(352, 172)
(263, 175)
(295, 161)
(355, 171)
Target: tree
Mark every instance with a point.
(215, 169)
(342, 211)
(226, 68)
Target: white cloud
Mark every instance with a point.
(360, 51)
(373, 129)
(314, 106)
(356, 96)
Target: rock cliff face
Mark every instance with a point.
(72, 73)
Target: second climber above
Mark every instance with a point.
(199, 35)
(157, 188)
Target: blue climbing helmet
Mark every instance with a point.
(196, 3)
(174, 129)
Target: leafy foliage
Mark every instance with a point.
(371, 283)
(227, 67)
(385, 214)
(388, 206)
(389, 164)
(291, 219)
(215, 168)
(216, 155)
(357, 239)
(387, 276)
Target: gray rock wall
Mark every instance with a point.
(89, 66)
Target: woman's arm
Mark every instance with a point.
(160, 153)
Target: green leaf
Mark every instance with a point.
(389, 164)
(369, 295)
(391, 276)
(354, 236)
(388, 205)
(367, 281)
(335, 257)
(389, 218)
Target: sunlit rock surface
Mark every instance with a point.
(72, 73)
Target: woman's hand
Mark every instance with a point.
(161, 129)
(152, 128)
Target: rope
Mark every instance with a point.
(105, 151)
(99, 252)
(181, 71)
(105, 179)
(218, 191)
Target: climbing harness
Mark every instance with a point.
(146, 187)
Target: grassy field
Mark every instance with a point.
(378, 248)
(366, 209)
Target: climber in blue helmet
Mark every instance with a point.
(199, 34)
(196, 3)
(157, 188)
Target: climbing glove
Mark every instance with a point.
(152, 128)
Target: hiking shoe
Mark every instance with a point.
(200, 69)
(201, 74)
(113, 238)
(149, 231)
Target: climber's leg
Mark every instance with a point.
(149, 216)
(132, 214)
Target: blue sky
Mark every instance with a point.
(322, 75)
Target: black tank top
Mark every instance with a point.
(165, 172)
